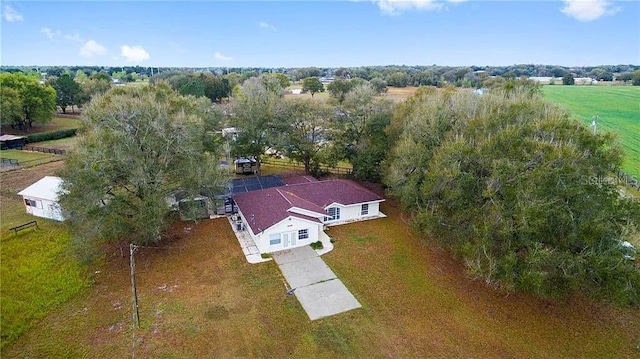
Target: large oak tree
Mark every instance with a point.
(24, 100)
(137, 145)
(518, 189)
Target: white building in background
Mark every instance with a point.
(41, 198)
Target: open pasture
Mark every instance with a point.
(617, 109)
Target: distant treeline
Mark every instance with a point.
(398, 76)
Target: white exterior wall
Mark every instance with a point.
(353, 212)
(44, 208)
(289, 225)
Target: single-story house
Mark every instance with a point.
(10, 141)
(41, 198)
(295, 215)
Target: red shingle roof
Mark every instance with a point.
(324, 193)
(298, 179)
(262, 209)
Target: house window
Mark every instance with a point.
(303, 234)
(274, 239)
(334, 214)
(30, 202)
(365, 209)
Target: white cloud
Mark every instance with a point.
(134, 54)
(222, 57)
(394, 7)
(92, 49)
(11, 15)
(48, 33)
(74, 37)
(588, 10)
(265, 25)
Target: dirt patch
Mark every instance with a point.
(17, 180)
(400, 93)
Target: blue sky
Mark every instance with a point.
(320, 33)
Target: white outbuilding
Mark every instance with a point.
(41, 198)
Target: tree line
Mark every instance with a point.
(517, 189)
(26, 100)
(349, 127)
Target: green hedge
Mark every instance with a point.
(54, 135)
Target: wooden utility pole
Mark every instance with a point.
(134, 294)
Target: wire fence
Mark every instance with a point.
(55, 151)
(10, 164)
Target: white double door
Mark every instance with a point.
(289, 239)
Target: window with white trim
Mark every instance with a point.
(334, 214)
(30, 202)
(303, 234)
(274, 239)
(365, 209)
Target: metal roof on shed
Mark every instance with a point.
(46, 188)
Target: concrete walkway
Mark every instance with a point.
(248, 246)
(319, 291)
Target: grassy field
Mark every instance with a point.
(199, 297)
(37, 272)
(61, 144)
(399, 94)
(618, 111)
(28, 158)
(57, 123)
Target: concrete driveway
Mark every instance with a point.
(319, 291)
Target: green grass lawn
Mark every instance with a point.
(62, 144)
(618, 111)
(63, 123)
(28, 158)
(199, 297)
(37, 271)
(57, 123)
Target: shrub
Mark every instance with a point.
(317, 245)
(54, 135)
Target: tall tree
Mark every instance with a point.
(360, 137)
(303, 131)
(137, 145)
(568, 79)
(67, 91)
(284, 80)
(518, 190)
(635, 80)
(215, 87)
(193, 88)
(339, 88)
(253, 108)
(37, 102)
(312, 85)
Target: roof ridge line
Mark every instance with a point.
(283, 196)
